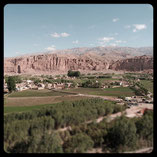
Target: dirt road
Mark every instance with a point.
(144, 150)
(112, 98)
(130, 113)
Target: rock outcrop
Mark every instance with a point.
(138, 63)
(50, 63)
(62, 63)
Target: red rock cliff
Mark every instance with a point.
(53, 62)
(139, 63)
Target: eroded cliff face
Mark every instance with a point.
(53, 62)
(139, 63)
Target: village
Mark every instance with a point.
(70, 83)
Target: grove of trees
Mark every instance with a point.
(91, 84)
(37, 131)
(11, 84)
(73, 73)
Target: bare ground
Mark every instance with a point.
(32, 101)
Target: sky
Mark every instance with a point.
(31, 28)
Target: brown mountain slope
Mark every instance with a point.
(63, 62)
(138, 63)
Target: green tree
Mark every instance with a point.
(73, 73)
(11, 84)
(79, 143)
(37, 81)
(123, 133)
(17, 79)
(145, 126)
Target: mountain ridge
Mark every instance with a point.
(91, 59)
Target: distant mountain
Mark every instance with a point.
(91, 59)
(108, 50)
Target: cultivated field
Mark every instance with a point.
(148, 85)
(38, 93)
(120, 91)
(27, 104)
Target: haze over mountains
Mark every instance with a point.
(107, 50)
(84, 58)
(110, 50)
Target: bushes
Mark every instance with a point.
(105, 76)
(38, 122)
(145, 126)
(47, 143)
(11, 84)
(91, 84)
(122, 133)
(79, 143)
(139, 89)
(73, 73)
(65, 114)
(36, 131)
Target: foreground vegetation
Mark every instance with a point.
(37, 131)
(31, 126)
(42, 123)
(24, 104)
(148, 85)
(120, 91)
(38, 93)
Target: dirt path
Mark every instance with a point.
(102, 97)
(143, 150)
(130, 113)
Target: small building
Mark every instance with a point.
(126, 85)
(58, 86)
(6, 90)
(68, 84)
(132, 104)
(48, 86)
(115, 86)
(29, 81)
(119, 100)
(34, 87)
(142, 111)
(41, 86)
(128, 98)
(19, 88)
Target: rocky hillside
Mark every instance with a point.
(138, 63)
(93, 59)
(53, 62)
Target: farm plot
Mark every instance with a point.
(25, 104)
(120, 91)
(38, 93)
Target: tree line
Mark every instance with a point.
(38, 135)
(21, 129)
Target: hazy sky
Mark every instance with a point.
(45, 27)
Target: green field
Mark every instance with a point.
(120, 91)
(102, 80)
(37, 93)
(19, 106)
(148, 85)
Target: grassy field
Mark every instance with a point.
(25, 104)
(32, 101)
(148, 85)
(105, 80)
(120, 91)
(102, 80)
(37, 93)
